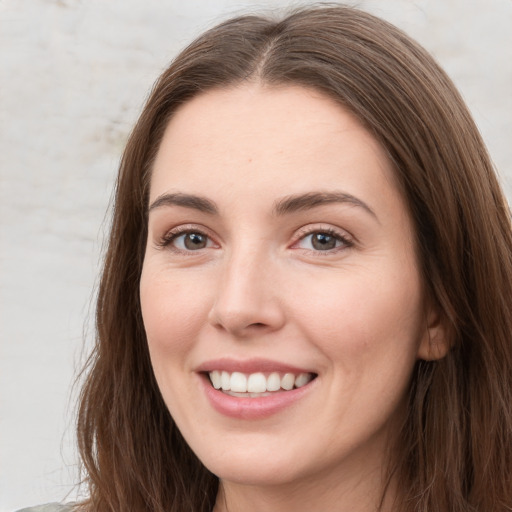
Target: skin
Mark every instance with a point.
(355, 315)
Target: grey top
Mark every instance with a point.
(49, 507)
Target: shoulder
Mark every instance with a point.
(49, 507)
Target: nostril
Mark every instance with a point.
(246, 318)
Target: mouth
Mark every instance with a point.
(255, 389)
(259, 384)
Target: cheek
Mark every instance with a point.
(173, 309)
(171, 313)
(363, 321)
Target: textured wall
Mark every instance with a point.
(73, 76)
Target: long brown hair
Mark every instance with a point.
(455, 451)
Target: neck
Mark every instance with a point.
(330, 492)
(359, 482)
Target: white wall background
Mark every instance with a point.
(73, 77)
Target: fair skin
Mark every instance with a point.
(279, 243)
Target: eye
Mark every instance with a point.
(323, 240)
(187, 240)
(191, 241)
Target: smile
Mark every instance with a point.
(255, 389)
(259, 384)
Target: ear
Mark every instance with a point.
(435, 343)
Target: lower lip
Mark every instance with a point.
(253, 408)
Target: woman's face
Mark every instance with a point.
(280, 256)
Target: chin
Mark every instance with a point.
(253, 467)
(270, 467)
(259, 474)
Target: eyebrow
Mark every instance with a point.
(186, 200)
(282, 207)
(311, 200)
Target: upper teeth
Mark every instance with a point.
(257, 382)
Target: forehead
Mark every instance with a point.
(263, 140)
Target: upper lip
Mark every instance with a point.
(249, 366)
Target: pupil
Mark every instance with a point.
(323, 241)
(195, 241)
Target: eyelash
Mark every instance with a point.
(167, 240)
(346, 242)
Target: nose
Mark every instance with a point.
(247, 300)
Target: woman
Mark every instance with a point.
(306, 296)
